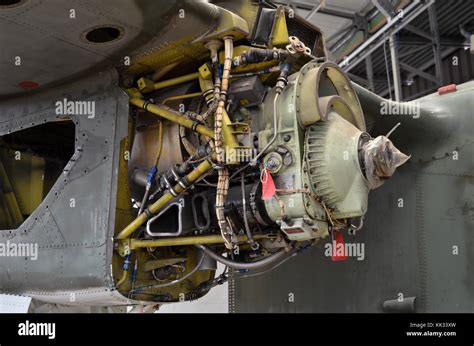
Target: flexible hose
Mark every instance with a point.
(223, 173)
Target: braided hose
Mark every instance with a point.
(223, 179)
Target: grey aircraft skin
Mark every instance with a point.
(409, 250)
(74, 265)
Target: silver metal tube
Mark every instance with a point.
(241, 265)
(397, 83)
(145, 198)
(266, 270)
(275, 131)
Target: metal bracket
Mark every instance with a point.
(180, 204)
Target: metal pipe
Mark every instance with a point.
(175, 81)
(397, 83)
(316, 9)
(370, 72)
(160, 143)
(253, 162)
(172, 115)
(183, 241)
(266, 270)
(122, 279)
(436, 44)
(386, 70)
(165, 199)
(144, 199)
(382, 9)
(242, 265)
(180, 97)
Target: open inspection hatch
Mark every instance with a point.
(30, 164)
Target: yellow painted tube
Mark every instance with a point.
(205, 85)
(171, 115)
(180, 97)
(164, 200)
(134, 92)
(122, 279)
(147, 85)
(176, 81)
(160, 143)
(182, 241)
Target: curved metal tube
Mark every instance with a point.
(275, 132)
(266, 270)
(241, 265)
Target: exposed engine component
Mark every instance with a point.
(272, 155)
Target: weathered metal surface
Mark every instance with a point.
(74, 243)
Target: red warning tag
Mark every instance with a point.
(338, 248)
(268, 185)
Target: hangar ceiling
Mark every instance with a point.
(424, 48)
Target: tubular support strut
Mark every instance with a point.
(164, 200)
(171, 115)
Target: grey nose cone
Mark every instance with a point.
(381, 159)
